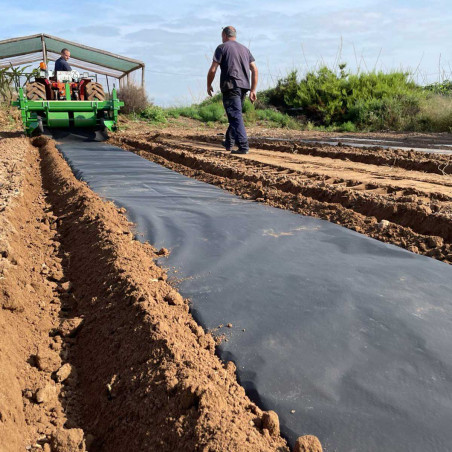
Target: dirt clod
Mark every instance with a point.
(435, 242)
(308, 443)
(174, 298)
(70, 327)
(68, 440)
(46, 394)
(64, 372)
(47, 360)
(66, 286)
(270, 421)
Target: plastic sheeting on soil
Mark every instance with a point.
(369, 143)
(345, 337)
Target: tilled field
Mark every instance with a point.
(396, 196)
(97, 351)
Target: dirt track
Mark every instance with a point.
(97, 351)
(400, 197)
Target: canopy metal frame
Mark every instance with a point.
(43, 47)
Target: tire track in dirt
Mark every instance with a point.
(415, 220)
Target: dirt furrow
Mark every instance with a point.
(385, 177)
(97, 351)
(402, 221)
(148, 376)
(409, 160)
(37, 382)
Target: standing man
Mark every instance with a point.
(236, 62)
(61, 64)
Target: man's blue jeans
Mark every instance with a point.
(233, 104)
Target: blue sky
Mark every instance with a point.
(176, 39)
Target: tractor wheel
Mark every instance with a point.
(35, 91)
(94, 91)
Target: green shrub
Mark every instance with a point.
(154, 114)
(444, 88)
(369, 100)
(211, 112)
(435, 114)
(277, 118)
(347, 127)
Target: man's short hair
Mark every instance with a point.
(230, 31)
(65, 50)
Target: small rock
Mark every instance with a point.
(28, 394)
(270, 421)
(162, 252)
(66, 286)
(70, 327)
(383, 224)
(46, 447)
(45, 394)
(68, 440)
(308, 443)
(64, 372)
(292, 411)
(44, 269)
(174, 298)
(229, 325)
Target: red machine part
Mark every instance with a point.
(52, 86)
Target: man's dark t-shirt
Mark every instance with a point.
(62, 65)
(234, 60)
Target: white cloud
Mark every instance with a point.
(178, 37)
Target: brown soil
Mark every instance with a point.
(97, 351)
(400, 197)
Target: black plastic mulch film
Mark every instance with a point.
(345, 337)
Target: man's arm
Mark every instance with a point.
(211, 76)
(254, 79)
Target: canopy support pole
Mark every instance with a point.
(142, 77)
(44, 50)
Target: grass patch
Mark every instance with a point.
(335, 101)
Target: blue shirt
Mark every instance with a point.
(234, 60)
(62, 65)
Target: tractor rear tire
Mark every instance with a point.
(94, 91)
(35, 91)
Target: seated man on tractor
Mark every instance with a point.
(61, 64)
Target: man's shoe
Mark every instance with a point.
(223, 143)
(239, 152)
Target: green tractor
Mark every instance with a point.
(67, 100)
